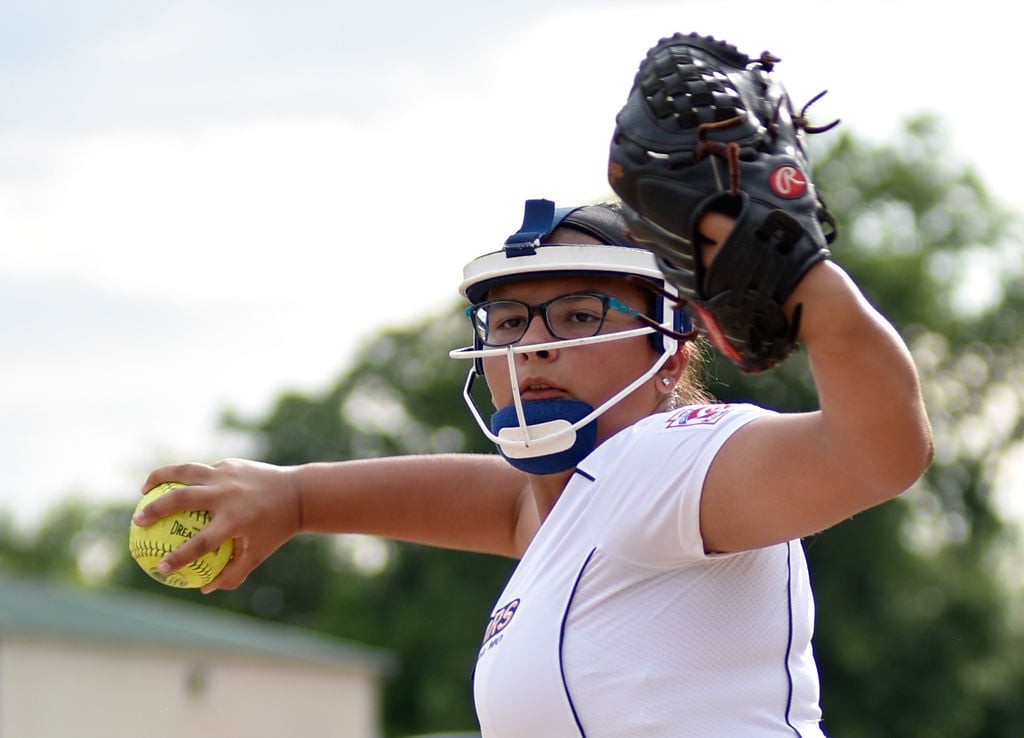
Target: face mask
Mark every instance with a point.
(547, 436)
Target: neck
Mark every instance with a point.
(546, 489)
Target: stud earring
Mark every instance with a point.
(666, 381)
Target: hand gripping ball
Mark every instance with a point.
(149, 545)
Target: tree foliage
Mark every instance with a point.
(916, 633)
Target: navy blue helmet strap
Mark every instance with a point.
(540, 218)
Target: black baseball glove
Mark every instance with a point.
(707, 128)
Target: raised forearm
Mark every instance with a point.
(873, 418)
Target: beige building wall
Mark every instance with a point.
(53, 688)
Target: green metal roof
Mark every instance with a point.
(132, 618)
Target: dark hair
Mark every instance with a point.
(603, 221)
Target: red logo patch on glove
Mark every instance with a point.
(788, 182)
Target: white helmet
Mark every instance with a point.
(548, 436)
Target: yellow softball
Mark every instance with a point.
(149, 545)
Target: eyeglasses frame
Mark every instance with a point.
(607, 302)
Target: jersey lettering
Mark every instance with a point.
(500, 619)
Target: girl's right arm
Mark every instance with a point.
(461, 501)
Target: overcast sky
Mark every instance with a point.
(203, 204)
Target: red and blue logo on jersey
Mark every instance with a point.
(700, 415)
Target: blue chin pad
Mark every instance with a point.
(543, 416)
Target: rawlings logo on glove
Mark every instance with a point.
(788, 182)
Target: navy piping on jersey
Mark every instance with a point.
(789, 641)
(583, 474)
(561, 641)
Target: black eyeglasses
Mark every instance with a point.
(578, 315)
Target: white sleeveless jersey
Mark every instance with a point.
(617, 624)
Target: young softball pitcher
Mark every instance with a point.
(661, 588)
